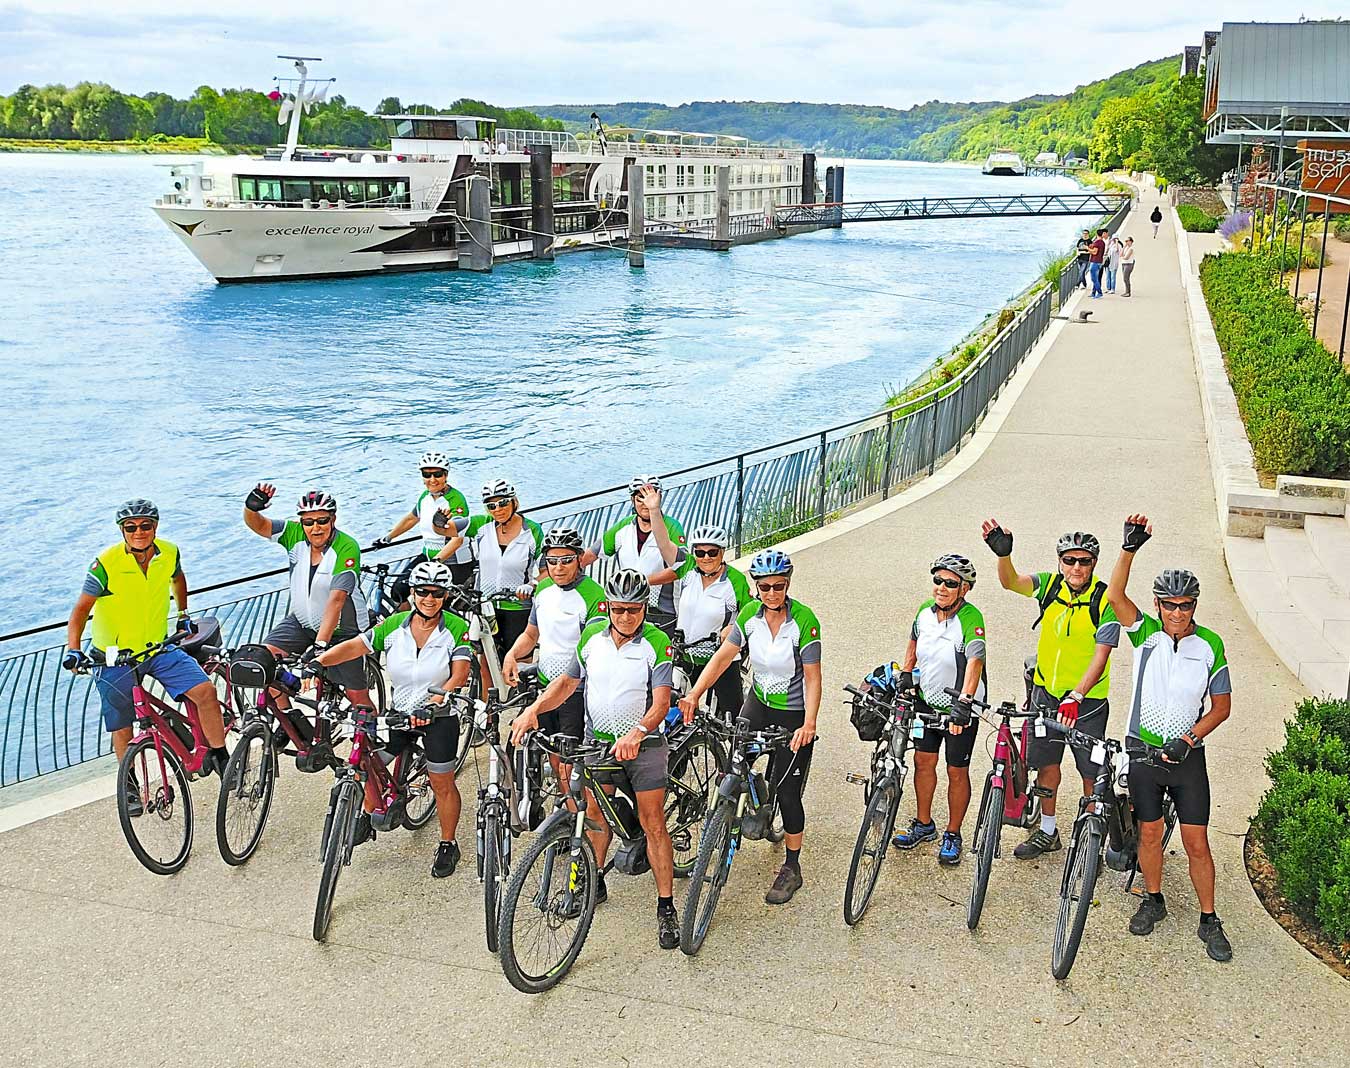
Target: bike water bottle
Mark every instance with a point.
(916, 725)
(288, 678)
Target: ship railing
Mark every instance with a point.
(644, 148)
(517, 140)
(49, 719)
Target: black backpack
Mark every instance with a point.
(1052, 595)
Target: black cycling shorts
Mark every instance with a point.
(1186, 783)
(440, 742)
(511, 624)
(787, 770)
(568, 718)
(960, 747)
(1049, 751)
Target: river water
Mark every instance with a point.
(129, 372)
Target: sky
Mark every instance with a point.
(897, 53)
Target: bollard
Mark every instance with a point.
(478, 227)
(541, 200)
(808, 177)
(722, 228)
(637, 218)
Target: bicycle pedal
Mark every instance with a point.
(857, 778)
(1041, 791)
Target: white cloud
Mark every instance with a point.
(842, 51)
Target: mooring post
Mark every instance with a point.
(637, 218)
(479, 226)
(541, 200)
(722, 228)
(808, 177)
(829, 185)
(838, 195)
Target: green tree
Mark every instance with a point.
(1175, 139)
(1118, 131)
(390, 105)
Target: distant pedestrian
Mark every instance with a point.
(1113, 247)
(1156, 219)
(1084, 254)
(1096, 261)
(1127, 263)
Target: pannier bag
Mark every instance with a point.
(253, 667)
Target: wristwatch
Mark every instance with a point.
(1191, 738)
(644, 730)
(1074, 695)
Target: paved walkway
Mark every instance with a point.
(102, 962)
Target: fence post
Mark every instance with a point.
(822, 478)
(886, 485)
(932, 437)
(740, 499)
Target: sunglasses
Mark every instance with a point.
(433, 474)
(142, 527)
(321, 521)
(772, 587)
(430, 591)
(559, 561)
(492, 506)
(705, 554)
(951, 584)
(1077, 561)
(1177, 606)
(626, 609)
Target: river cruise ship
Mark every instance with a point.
(297, 212)
(1004, 161)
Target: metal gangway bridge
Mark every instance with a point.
(1021, 206)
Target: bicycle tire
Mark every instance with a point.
(245, 803)
(988, 826)
(553, 848)
(492, 898)
(468, 724)
(163, 792)
(335, 853)
(375, 684)
(716, 850)
(774, 831)
(880, 813)
(692, 782)
(1082, 866)
(419, 800)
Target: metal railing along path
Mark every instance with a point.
(49, 720)
(951, 208)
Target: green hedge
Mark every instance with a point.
(1196, 221)
(1304, 820)
(1293, 394)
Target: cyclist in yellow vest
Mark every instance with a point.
(127, 589)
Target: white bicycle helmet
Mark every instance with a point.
(431, 573)
(638, 482)
(709, 534)
(957, 564)
(434, 458)
(316, 501)
(495, 490)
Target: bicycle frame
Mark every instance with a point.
(265, 704)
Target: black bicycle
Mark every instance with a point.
(1105, 828)
(891, 724)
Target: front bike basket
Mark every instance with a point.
(867, 720)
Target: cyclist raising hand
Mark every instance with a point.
(437, 495)
(646, 541)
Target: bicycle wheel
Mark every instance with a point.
(492, 876)
(415, 785)
(1075, 896)
(988, 825)
(375, 683)
(715, 853)
(468, 725)
(160, 834)
(246, 791)
(336, 852)
(874, 842)
(693, 781)
(547, 911)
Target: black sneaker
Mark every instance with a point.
(1147, 916)
(447, 857)
(1037, 844)
(1216, 942)
(786, 883)
(134, 806)
(364, 831)
(667, 928)
(601, 890)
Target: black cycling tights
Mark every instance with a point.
(787, 770)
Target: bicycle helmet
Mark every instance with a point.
(957, 564)
(637, 482)
(317, 501)
(1078, 540)
(431, 573)
(1176, 582)
(709, 534)
(435, 458)
(627, 586)
(137, 508)
(563, 538)
(883, 678)
(768, 562)
(496, 490)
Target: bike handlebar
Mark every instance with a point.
(1007, 710)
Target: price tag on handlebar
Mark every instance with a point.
(1039, 729)
(1099, 753)
(916, 731)
(110, 655)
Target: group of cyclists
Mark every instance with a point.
(604, 656)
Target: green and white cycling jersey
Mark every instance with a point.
(502, 568)
(560, 614)
(311, 584)
(625, 544)
(618, 681)
(704, 610)
(425, 507)
(411, 670)
(1172, 679)
(777, 661)
(944, 647)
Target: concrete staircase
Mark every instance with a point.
(1295, 584)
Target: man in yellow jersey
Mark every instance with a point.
(127, 589)
(1078, 630)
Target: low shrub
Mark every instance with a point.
(1304, 819)
(1195, 221)
(1292, 393)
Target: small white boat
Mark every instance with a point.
(1004, 161)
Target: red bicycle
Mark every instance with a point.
(154, 803)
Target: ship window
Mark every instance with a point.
(248, 189)
(329, 191)
(661, 176)
(707, 174)
(353, 192)
(396, 193)
(269, 189)
(403, 128)
(650, 204)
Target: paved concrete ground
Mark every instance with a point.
(103, 963)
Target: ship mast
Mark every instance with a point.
(300, 102)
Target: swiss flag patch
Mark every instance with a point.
(815, 632)
(349, 562)
(979, 632)
(93, 566)
(670, 651)
(603, 606)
